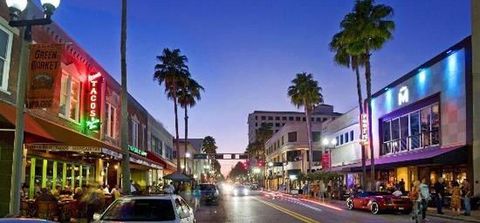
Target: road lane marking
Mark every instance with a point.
(289, 212)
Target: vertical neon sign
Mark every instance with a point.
(364, 128)
(93, 106)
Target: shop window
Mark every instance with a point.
(418, 129)
(293, 156)
(5, 51)
(292, 136)
(70, 98)
(111, 121)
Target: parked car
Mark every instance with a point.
(210, 193)
(240, 190)
(24, 220)
(158, 208)
(377, 202)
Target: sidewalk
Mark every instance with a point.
(431, 211)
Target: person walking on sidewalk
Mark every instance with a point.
(425, 197)
(467, 192)
(415, 198)
(456, 198)
(440, 192)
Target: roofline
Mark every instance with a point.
(464, 43)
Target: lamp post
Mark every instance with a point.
(17, 8)
(187, 155)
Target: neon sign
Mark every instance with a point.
(364, 128)
(403, 96)
(136, 150)
(93, 106)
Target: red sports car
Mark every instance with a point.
(377, 202)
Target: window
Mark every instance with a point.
(290, 118)
(111, 121)
(270, 118)
(346, 137)
(341, 139)
(263, 117)
(5, 50)
(256, 124)
(316, 136)
(157, 145)
(304, 119)
(277, 118)
(297, 118)
(283, 140)
(70, 98)
(319, 119)
(284, 118)
(351, 135)
(417, 129)
(134, 129)
(277, 124)
(292, 136)
(256, 117)
(338, 140)
(293, 156)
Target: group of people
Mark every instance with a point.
(420, 194)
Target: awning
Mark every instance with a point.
(38, 130)
(420, 156)
(145, 161)
(165, 163)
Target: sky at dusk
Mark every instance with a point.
(246, 52)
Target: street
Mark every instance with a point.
(263, 207)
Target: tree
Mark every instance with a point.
(239, 170)
(172, 71)
(305, 92)
(124, 98)
(188, 95)
(354, 61)
(209, 147)
(257, 149)
(366, 29)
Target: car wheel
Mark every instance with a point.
(374, 208)
(349, 204)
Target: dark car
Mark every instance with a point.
(210, 193)
(377, 202)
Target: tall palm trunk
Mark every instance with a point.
(186, 138)
(368, 79)
(360, 108)
(177, 144)
(309, 135)
(124, 130)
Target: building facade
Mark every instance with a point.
(277, 119)
(290, 147)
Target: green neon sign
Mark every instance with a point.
(136, 150)
(93, 124)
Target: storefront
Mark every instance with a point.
(420, 122)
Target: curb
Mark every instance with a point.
(452, 217)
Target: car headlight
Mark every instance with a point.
(245, 191)
(235, 192)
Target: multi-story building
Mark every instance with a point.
(341, 140)
(277, 119)
(160, 147)
(290, 146)
(76, 141)
(194, 167)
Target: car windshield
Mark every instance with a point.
(207, 187)
(140, 210)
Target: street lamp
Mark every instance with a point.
(270, 164)
(16, 8)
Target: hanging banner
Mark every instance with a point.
(93, 101)
(44, 75)
(364, 128)
(326, 160)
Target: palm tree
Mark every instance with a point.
(353, 61)
(367, 28)
(305, 92)
(188, 95)
(124, 123)
(172, 71)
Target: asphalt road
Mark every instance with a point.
(263, 207)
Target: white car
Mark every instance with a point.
(158, 208)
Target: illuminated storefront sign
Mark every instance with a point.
(364, 127)
(137, 151)
(93, 106)
(403, 96)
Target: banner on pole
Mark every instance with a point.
(44, 75)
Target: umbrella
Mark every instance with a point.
(178, 176)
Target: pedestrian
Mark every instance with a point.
(467, 193)
(323, 190)
(425, 196)
(440, 193)
(401, 186)
(115, 192)
(455, 203)
(196, 197)
(414, 196)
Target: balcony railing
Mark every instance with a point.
(413, 142)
